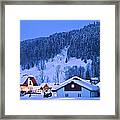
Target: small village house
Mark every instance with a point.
(76, 88)
(29, 84)
(46, 86)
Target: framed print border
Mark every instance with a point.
(2, 60)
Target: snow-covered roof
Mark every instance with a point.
(23, 77)
(78, 81)
(49, 84)
(95, 78)
(24, 80)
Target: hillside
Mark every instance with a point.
(66, 48)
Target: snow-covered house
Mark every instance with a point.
(29, 84)
(76, 87)
(47, 86)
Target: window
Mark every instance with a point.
(66, 95)
(72, 85)
(30, 83)
(79, 95)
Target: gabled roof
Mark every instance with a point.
(32, 79)
(78, 81)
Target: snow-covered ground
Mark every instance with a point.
(39, 97)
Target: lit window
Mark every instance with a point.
(72, 86)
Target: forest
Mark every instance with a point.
(83, 44)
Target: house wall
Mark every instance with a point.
(60, 92)
(54, 95)
(73, 94)
(24, 88)
(30, 81)
(83, 93)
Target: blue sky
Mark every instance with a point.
(43, 28)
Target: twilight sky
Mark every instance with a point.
(43, 28)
